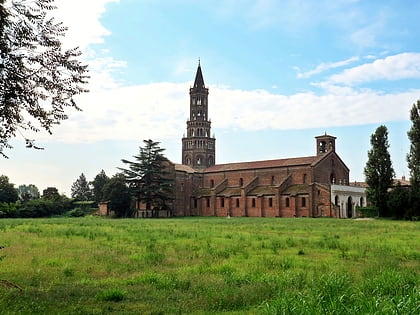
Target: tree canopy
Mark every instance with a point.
(38, 78)
(149, 178)
(116, 192)
(378, 170)
(98, 184)
(80, 189)
(8, 192)
(413, 158)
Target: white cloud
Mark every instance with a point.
(160, 110)
(397, 67)
(86, 29)
(326, 66)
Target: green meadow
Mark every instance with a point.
(209, 266)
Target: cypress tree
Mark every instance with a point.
(378, 171)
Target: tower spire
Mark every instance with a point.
(199, 81)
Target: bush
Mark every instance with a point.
(368, 212)
(76, 212)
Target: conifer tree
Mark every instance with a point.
(378, 171)
(149, 178)
(413, 159)
(80, 189)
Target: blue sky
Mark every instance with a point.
(279, 73)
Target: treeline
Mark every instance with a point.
(146, 181)
(390, 199)
(25, 201)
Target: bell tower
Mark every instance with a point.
(198, 147)
(325, 144)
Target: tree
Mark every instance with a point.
(149, 178)
(378, 170)
(118, 195)
(80, 189)
(38, 78)
(98, 184)
(8, 193)
(28, 192)
(413, 159)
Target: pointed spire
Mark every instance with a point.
(199, 81)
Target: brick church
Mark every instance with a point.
(311, 186)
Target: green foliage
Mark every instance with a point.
(399, 201)
(76, 212)
(149, 177)
(413, 157)
(42, 207)
(38, 78)
(98, 184)
(118, 195)
(368, 212)
(80, 189)
(8, 193)
(379, 171)
(28, 192)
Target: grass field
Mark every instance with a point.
(209, 266)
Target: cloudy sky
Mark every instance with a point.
(279, 72)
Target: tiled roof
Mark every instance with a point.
(184, 168)
(296, 189)
(264, 164)
(263, 190)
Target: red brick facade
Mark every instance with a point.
(295, 187)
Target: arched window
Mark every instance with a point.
(237, 202)
(253, 202)
(241, 181)
(303, 202)
(361, 201)
(270, 202)
(287, 202)
(322, 147)
(336, 200)
(222, 202)
(208, 202)
(304, 178)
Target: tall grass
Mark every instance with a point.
(210, 265)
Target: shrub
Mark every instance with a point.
(76, 212)
(368, 212)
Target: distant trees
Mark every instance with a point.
(148, 177)
(118, 195)
(98, 184)
(8, 192)
(378, 170)
(38, 78)
(80, 189)
(28, 192)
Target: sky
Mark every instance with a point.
(279, 73)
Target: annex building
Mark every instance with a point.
(311, 186)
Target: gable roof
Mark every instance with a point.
(308, 160)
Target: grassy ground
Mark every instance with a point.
(210, 266)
